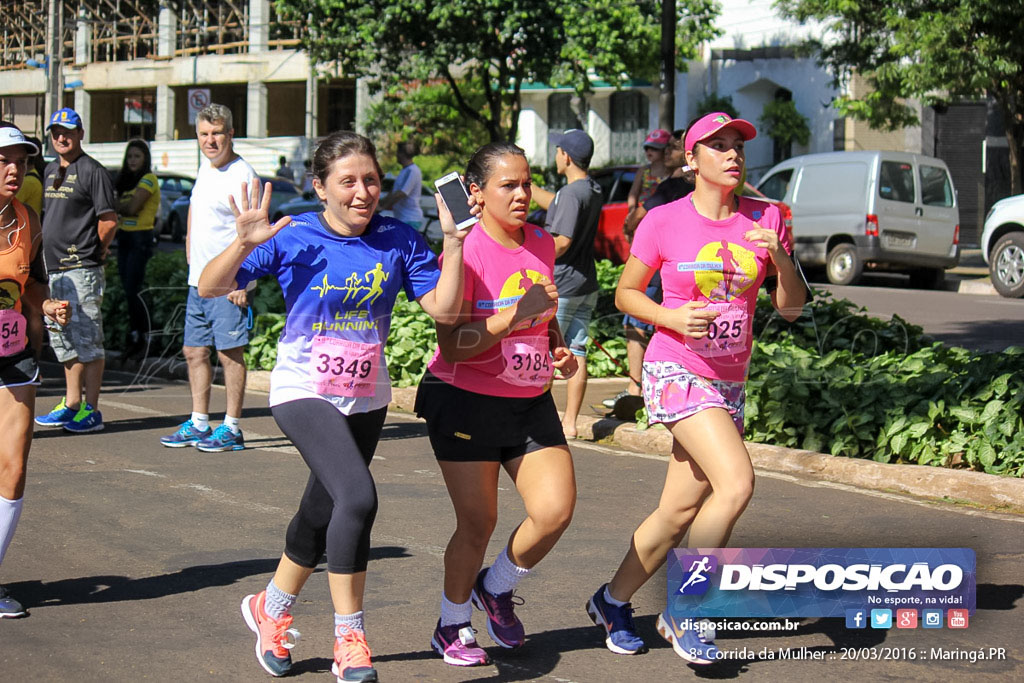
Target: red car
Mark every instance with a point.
(615, 181)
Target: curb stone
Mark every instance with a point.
(937, 483)
(980, 286)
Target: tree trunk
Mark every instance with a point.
(1014, 138)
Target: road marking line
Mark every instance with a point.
(222, 497)
(148, 473)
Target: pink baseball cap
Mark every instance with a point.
(658, 138)
(711, 123)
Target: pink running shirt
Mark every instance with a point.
(496, 278)
(705, 260)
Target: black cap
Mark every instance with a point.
(577, 144)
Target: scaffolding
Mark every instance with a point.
(122, 30)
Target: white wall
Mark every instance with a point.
(182, 156)
(753, 84)
(754, 23)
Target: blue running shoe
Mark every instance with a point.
(9, 607)
(58, 417)
(692, 644)
(617, 623)
(87, 419)
(222, 439)
(187, 435)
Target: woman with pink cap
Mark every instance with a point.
(648, 177)
(714, 249)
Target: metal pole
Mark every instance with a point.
(55, 33)
(667, 98)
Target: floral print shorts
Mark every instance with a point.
(672, 393)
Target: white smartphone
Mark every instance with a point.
(454, 195)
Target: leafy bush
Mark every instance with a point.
(842, 382)
(166, 292)
(937, 405)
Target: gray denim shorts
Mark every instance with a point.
(82, 337)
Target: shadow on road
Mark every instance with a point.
(112, 588)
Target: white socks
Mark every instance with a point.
(455, 614)
(232, 424)
(503, 576)
(10, 512)
(349, 622)
(278, 603)
(200, 421)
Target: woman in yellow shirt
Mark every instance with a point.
(138, 196)
(31, 192)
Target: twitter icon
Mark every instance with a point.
(881, 618)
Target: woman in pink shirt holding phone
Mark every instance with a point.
(487, 402)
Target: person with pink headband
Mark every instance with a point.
(647, 179)
(714, 249)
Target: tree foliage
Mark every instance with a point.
(428, 113)
(496, 45)
(781, 121)
(714, 102)
(938, 51)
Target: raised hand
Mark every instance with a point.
(448, 223)
(252, 221)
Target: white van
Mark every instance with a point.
(877, 210)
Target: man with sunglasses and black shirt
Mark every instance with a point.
(79, 225)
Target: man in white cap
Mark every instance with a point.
(80, 222)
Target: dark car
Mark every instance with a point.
(177, 218)
(172, 186)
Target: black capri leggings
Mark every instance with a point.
(340, 502)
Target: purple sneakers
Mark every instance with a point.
(502, 622)
(457, 644)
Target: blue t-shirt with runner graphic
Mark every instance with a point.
(339, 293)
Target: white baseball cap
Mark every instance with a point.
(11, 136)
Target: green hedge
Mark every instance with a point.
(836, 381)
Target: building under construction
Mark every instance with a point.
(142, 68)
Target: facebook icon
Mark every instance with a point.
(856, 618)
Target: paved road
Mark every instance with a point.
(134, 558)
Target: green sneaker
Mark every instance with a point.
(87, 419)
(58, 417)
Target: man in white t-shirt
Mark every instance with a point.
(404, 199)
(221, 322)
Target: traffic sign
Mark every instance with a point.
(198, 98)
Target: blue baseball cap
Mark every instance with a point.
(65, 118)
(577, 144)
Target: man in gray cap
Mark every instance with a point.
(572, 219)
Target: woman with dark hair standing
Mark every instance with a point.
(138, 201)
(341, 271)
(713, 249)
(23, 292)
(487, 401)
